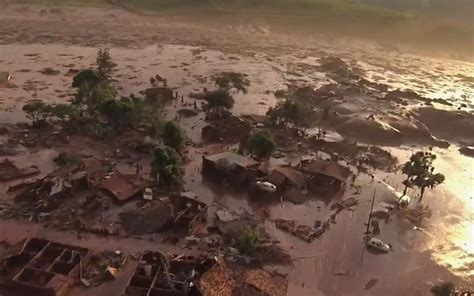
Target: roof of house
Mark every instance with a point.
(291, 174)
(123, 187)
(331, 169)
(232, 158)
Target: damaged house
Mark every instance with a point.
(326, 178)
(122, 187)
(160, 275)
(41, 267)
(231, 166)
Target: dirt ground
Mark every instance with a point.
(188, 52)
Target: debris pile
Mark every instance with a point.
(303, 232)
(102, 267)
(175, 212)
(157, 274)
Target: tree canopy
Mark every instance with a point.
(419, 170)
(218, 102)
(173, 135)
(261, 144)
(292, 112)
(105, 65)
(166, 164)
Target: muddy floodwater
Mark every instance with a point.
(442, 249)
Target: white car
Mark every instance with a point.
(376, 244)
(148, 194)
(266, 186)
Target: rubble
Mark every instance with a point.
(103, 267)
(303, 232)
(223, 280)
(9, 171)
(177, 211)
(157, 274)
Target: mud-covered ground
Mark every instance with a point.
(189, 55)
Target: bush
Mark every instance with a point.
(249, 240)
(173, 135)
(64, 159)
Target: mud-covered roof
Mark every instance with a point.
(232, 158)
(331, 169)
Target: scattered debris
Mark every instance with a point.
(303, 232)
(49, 71)
(5, 77)
(157, 274)
(9, 171)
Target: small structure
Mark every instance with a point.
(42, 267)
(286, 178)
(229, 130)
(327, 178)
(122, 187)
(232, 166)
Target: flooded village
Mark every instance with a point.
(164, 159)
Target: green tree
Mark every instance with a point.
(105, 65)
(261, 144)
(419, 170)
(228, 80)
(218, 102)
(87, 76)
(443, 289)
(166, 164)
(119, 113)
(173, 135)
(64, 111)
(294, 113)
(37, 111)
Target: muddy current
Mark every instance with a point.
(44, 72)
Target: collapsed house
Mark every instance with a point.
(41, 267)
(177, 212)
(326, 178)
(230, 130)
(159, 275)
(60, 183)
(234, 167)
